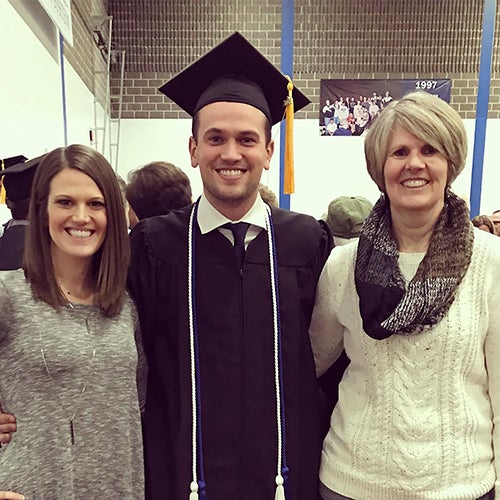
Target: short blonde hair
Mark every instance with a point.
(427, 117)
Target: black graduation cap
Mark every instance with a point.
(18, 178)
(13, 160)
(233, 71)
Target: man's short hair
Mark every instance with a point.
(157, 189)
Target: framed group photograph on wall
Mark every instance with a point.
(348, 107)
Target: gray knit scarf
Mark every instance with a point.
(386, 304)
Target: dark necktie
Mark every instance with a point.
(239, 231)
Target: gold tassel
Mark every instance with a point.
(2, 189)
(289, 181)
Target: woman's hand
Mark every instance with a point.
(10, 495)
(7, 427)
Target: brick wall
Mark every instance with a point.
(394, 39)
(84, 56)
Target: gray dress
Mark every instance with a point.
(102, 457)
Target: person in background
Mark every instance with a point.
(225, 289)
(156, 189)
(415, 304)
(17, 181)
(484, 223)
(268, 195)
(5, 213)
(495, 217)
(327, 113)
(343, 128)
(345, 217)
(126, 205)
(72, 364)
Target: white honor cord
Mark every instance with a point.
(280, 493)
(194, 411)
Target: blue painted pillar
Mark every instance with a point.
(287, 25)
(483, 93)
(63, 87)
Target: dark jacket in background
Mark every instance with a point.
(12, 245)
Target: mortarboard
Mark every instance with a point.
(18, 178)
(233, 71)
(13, 160)
(6, 163)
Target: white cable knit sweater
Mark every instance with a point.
(416, 414)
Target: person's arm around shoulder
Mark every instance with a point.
(326, 332)
(142, 366)
(141, 275)
(492, 349)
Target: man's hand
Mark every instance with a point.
(7, 427)
(10, 495)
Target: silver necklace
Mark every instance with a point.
(70, 415)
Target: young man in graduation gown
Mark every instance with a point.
(232, 409)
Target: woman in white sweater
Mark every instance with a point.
(416, 305)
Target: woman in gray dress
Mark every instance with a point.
(69, 337)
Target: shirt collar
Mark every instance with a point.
(209, 218)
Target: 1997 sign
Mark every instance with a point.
(425, 84)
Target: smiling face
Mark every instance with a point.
(76, 216)
(231, 150)
(415, 174)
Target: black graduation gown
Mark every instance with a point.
(12, 247)
(234, 314)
